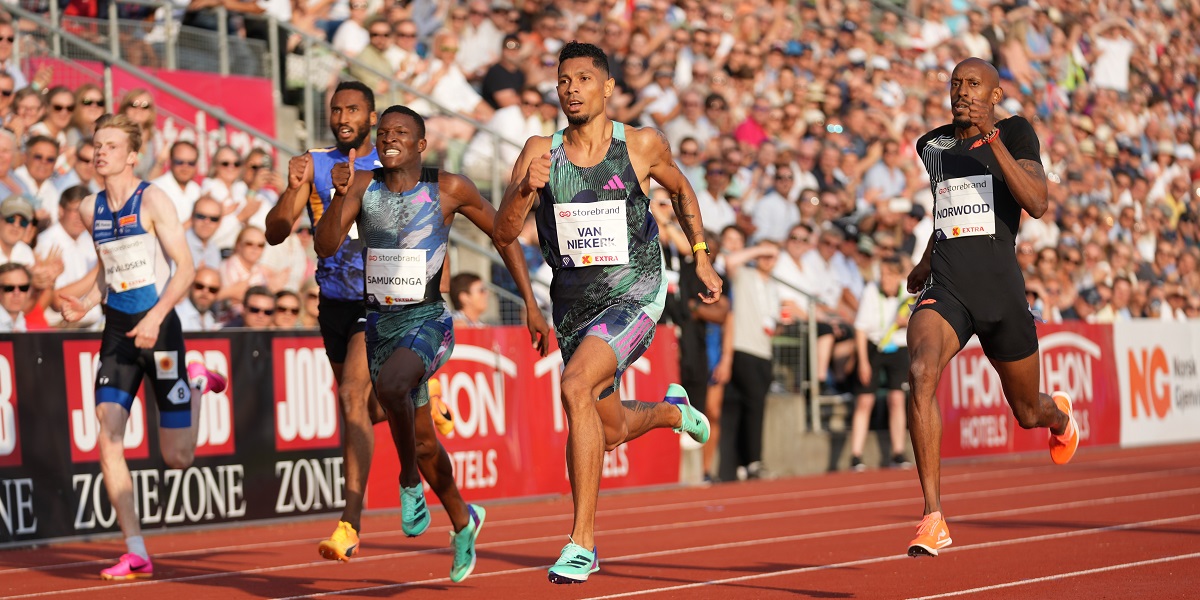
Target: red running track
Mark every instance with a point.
(1113, 524)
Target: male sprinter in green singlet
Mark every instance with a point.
(602, 242)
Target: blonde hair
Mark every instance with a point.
(124, 123)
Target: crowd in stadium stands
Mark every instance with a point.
(794, 121)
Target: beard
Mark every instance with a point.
(360, 135)
(577, 120)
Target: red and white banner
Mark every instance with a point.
(510, 432)
(306, 404)
(214, 435)
(1160, 384)
(10, 442)
(1076, 358)
(81, 360)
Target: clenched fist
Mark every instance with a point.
(299, 170)
(538, 175)
(343, 174)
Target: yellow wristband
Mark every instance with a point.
(700, 246)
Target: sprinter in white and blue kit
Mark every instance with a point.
(137, 230)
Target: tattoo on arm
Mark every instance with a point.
(685, 209)
(1033, 167)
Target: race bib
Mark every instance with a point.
(591, 234)
(395, 277)
(964, 206)
(128, 262)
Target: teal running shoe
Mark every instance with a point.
(574, 564)
(463, 543)
(414, 515)
(694, 421)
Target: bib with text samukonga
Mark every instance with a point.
(395, 277)
(592, 234)
(965, 206)
(128, 262)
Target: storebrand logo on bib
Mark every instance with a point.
(564, 213)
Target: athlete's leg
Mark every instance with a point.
(436, 468)
(627, 420)
(178, 444)
(932, 342)
(589, 372)
(1031, 408)
(399, 375)
(360, 411)
(117, 480)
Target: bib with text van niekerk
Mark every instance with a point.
(965, 206)
(395, 277)
(592, 233)
(128, 262)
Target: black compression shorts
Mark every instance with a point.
(123, 366)
(1003, 322)
(339, 321)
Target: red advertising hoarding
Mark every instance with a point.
(1074, 357)
(510, 432)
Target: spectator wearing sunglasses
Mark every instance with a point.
(197, 311)
(259, 310)
(15, 286)
(243, 270)
(16, 214)
(179, 182)
(38, 176)
(89, 106)
(206, 215)
(224, 184)
(287, 309)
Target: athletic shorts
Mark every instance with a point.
(628, 330)
(888, 370)
(123, 366)
(844, 332)
(426, 329)
(1003, 323)
(339, 321)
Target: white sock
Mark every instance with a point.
(137, 545)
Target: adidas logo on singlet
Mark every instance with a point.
(614, 184)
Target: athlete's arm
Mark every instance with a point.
(283, 215)
(333, 226)
(1025, 177)
(530, 173)
(920, 271)
(652, 145)
(469, 203)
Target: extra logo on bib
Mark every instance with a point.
(128, 262)
(593, 233)
(395, 277)
(964, 206)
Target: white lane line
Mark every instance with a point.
(889, 558)
(1004, 474)
(665, 527)
(1118, 567)
(794, 538)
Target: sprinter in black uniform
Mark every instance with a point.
(982, 173)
